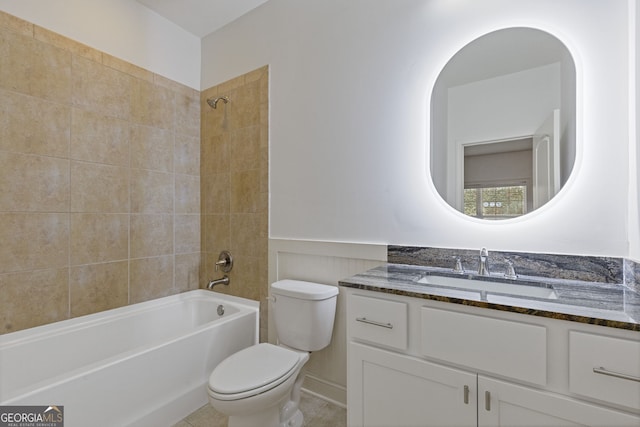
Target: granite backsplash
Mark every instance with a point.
(570, 267)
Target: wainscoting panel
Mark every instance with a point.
(324, 262)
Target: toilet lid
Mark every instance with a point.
(253, 368)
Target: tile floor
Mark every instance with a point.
(317, 413)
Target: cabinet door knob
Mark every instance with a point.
(466, 394)
(487, 400)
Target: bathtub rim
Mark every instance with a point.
(245, 307)
(86, 320)
(188, 398)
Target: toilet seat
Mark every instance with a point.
(252, 371)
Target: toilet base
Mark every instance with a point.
(263, 418)
(295, 421)
(288, 416)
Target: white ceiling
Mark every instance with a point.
(201, 17)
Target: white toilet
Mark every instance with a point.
(260, 385)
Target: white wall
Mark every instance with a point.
(349, 98)
(634, 152)
(122, 28)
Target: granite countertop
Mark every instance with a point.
(605, 304)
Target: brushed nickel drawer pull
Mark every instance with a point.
(466, 394)
(487, 400)
(603, 371)
(373, 322)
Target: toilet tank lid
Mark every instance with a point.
(303, 290)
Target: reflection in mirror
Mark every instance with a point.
(503, 124)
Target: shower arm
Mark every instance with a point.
(213, 102)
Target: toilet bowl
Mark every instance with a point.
(253, 386)
(260, 385)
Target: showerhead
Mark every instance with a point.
(213, 102)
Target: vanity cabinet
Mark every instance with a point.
(391, 389)
(413, 362)
(504, 404)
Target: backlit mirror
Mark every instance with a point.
(503, 136)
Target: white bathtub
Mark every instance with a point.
(145, 364)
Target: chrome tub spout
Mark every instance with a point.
(223, 281)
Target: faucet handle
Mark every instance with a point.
(458, 266)
(225, 261)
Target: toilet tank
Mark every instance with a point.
(303, 313)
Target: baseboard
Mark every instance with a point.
(334, 393)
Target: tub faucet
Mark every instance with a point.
(223, 281)
(483, 269)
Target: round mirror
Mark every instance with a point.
(503, 124)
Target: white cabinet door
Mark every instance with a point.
(510, 405)
(389, 389)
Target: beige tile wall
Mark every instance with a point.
(234, 174)
(99, 180)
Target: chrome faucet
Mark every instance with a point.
(223, 281)
(483, 268)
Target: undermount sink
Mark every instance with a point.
(477, 284)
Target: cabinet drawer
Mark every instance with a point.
(379, 321)
(512, 349)
(605, 368)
